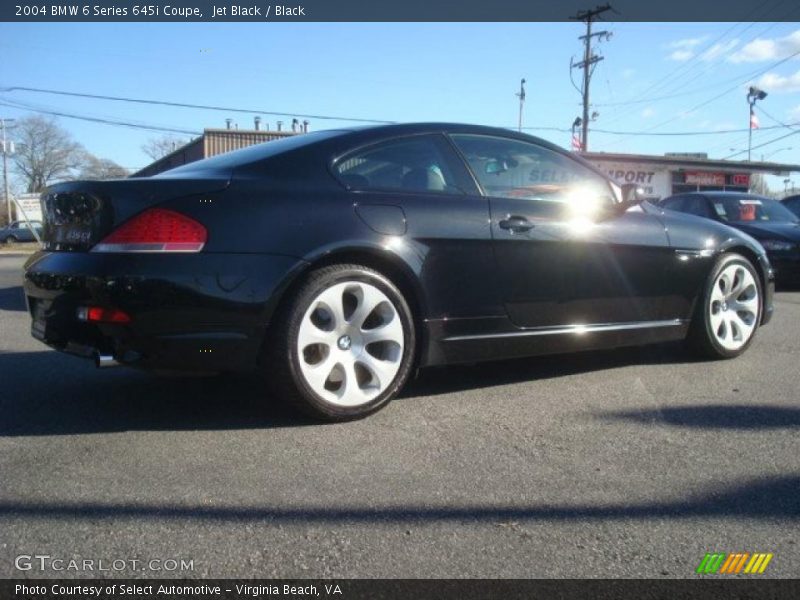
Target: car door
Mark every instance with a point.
(24, 232)
(15, 231)
(563, 256)
(793, 204)
(442, 229)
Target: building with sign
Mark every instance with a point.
(27, 205)
(218, 141)
(661, 176)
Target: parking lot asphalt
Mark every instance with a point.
(627, 463)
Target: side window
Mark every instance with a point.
(698, 205)
(674, 203)
(414, 164)
(513, 169)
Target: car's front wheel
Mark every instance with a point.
(345, 343)
(11, 240)
(729, 310)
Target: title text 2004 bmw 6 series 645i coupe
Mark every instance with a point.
(339, 261)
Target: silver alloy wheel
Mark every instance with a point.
(733, 307)
(350, 343)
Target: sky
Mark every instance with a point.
(655, 78)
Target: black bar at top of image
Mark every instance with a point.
(399, 10)
(716, 588)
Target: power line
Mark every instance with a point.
(772, 141)
(135, 125)
(660, 133)
(641, 100)
(166, 129)
(717, 97)
(187, 105)
(776, 120)
(102, 121)
(753, 73)
(686, 67)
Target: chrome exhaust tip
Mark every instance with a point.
(103, 361)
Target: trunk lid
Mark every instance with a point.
(78, 214)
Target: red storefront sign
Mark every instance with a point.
(742, 179)
(705, 178)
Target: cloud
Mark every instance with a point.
(683, 50)
(681, 55)
(762, 49)
(685, 114)
(648, 112)
(772, 82)
(687, 42)
(717, 50)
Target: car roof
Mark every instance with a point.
(718, 194)
(346, 139)
(396, 129)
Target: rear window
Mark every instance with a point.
(752, 210)
(411, 164)
(255, 153)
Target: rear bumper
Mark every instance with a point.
(188, 311)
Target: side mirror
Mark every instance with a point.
(631, 193)
(631, 196)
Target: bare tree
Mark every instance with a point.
(101, 168)
(758, 185)
(157, 148)
(45, 152)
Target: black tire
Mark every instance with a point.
(11, 240)
(281, 356)
(702, 340)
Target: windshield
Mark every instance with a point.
(752, 210)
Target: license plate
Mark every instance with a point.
(39, 323)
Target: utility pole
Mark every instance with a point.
(521, 96)
(588, 62)
(6, 150)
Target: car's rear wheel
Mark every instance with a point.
(729, 311)
(345, 344)
(10, 240)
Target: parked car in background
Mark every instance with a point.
(338, 262)
(767, 220)
(793, 204)
(19, 231)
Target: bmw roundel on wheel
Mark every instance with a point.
(339, 262)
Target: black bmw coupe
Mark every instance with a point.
(338, 262)
(771, 222)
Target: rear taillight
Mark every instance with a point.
(156, 230)
(99, 314)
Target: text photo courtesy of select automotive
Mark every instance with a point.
(395, 310)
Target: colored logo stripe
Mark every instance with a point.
(731, 564)
(758, 563)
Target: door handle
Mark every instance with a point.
(515, 224)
